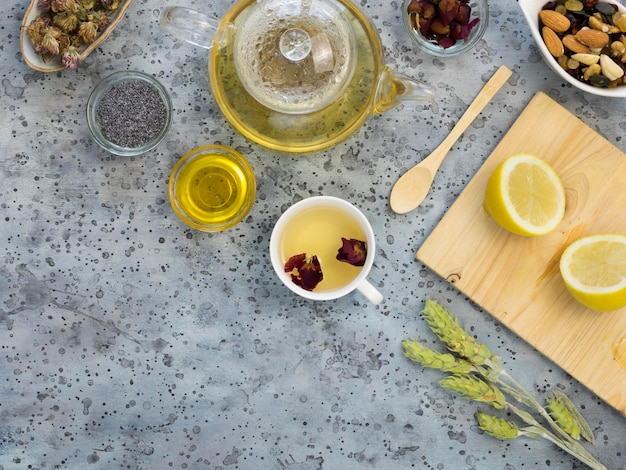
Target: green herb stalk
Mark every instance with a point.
(477, 374)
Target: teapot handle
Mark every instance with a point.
(189, 25)
(394, 89)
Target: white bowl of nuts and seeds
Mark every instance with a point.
(583, 41)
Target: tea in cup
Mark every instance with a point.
(212, 188)
(322, 248)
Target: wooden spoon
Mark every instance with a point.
(412, 187)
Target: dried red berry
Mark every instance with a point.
(447, 11)
(463, 14)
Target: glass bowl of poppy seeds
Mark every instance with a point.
(129, 113)
(445, 28)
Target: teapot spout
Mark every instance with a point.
(394, 89)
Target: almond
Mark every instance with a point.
(592, 38)
(570, 41)
(553, 43)
(554, 20)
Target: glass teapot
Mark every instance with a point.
(295, 75)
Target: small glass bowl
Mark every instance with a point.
(480, 9)
(212, 188)
(99, 93)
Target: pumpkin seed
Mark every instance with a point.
(599, 80)
(605, 9)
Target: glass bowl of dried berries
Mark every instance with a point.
(582, 41)
(129, 113)
(445, 28)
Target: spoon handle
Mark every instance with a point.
(483, 98)
(413, 186)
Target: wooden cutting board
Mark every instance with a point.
(516, 279)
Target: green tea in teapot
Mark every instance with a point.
(291, 63)
(305, 132)
(295, 75)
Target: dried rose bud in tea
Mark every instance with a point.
(352, 251)
(306, 271)
(443, 22)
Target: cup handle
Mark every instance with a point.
(369, 291)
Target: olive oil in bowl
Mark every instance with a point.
(212, 188)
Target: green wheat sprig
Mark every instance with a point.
(561, 416)
(435, 360)
(474, 388)
(497, 427)
(476, 374)
(585, 431)
(448, 330)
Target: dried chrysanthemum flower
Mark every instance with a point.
(110, 4)
(59, 6)
(70, 58)
(49, 42)
(66, 21)
(44, 4)
(99, 18)
(87, 31)
(87, 4)
(36, 29)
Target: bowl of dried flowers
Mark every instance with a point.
(59, 34)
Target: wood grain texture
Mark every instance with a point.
(516, 279)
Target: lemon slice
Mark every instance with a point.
(594, 271)
(525, 196)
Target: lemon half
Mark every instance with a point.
(594, 271)
(525, 196)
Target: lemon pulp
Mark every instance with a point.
(594, 271)
(525, 196)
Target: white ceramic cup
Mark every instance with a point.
(359, 283)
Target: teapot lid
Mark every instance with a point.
(295, 56)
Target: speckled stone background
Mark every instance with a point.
(130, 341)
